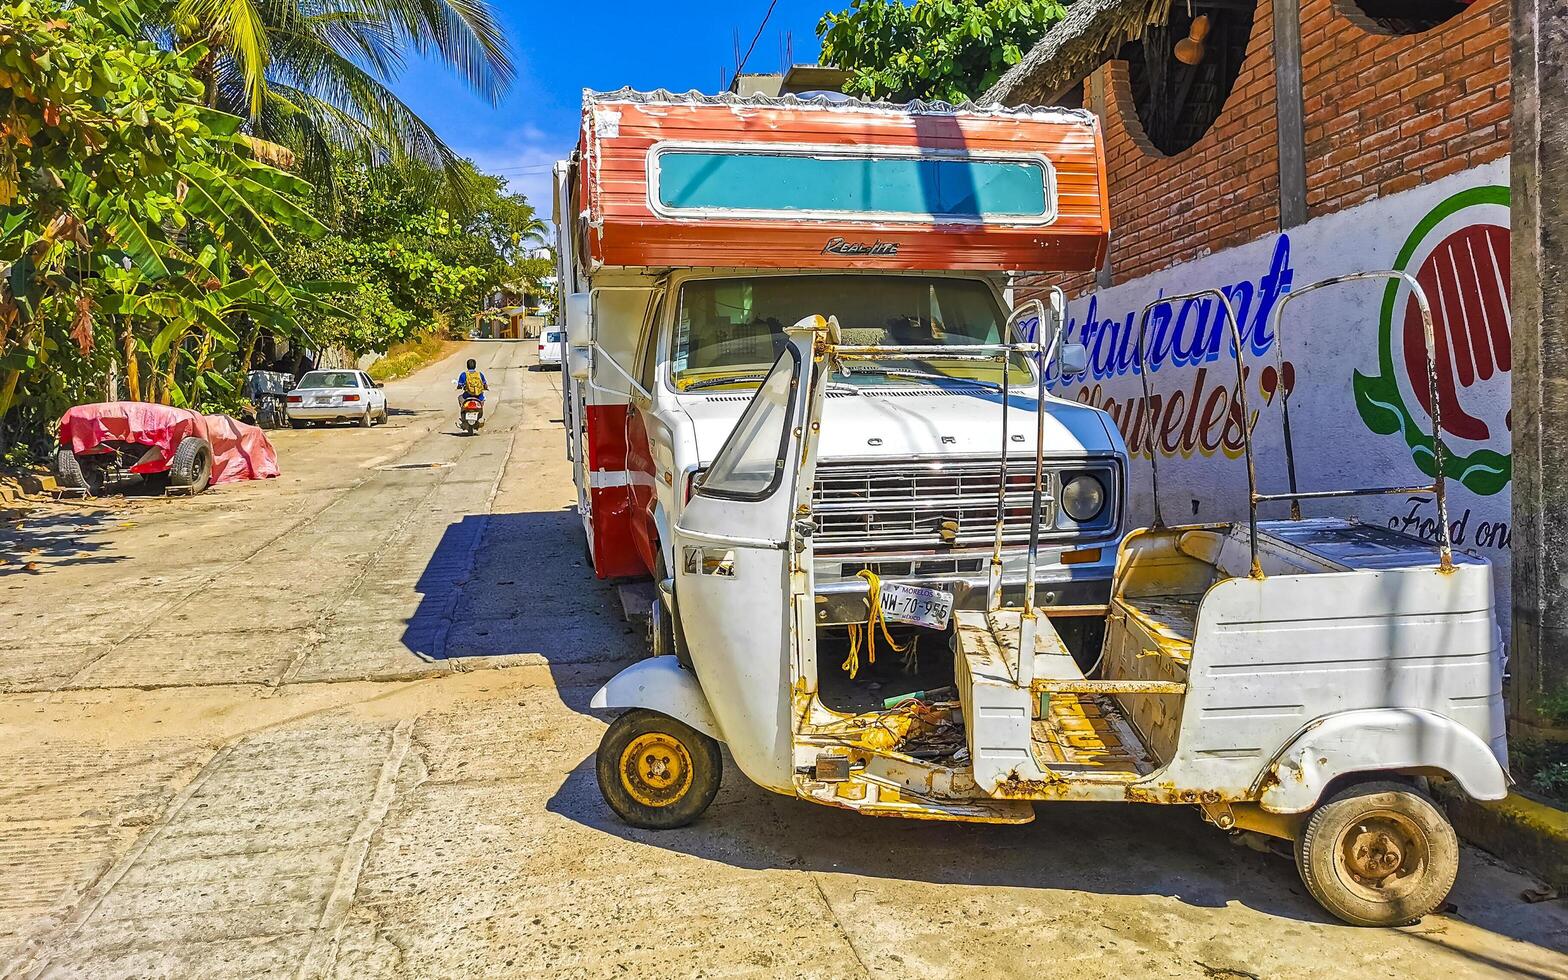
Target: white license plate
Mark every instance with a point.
(920, 607)
(321, 400)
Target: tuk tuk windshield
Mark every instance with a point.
(751, 461)
(729, 331)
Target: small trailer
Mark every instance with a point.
(178, 449)
(1301, 679)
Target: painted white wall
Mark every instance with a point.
(1352, 404)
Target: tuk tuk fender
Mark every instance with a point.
(660, 684)
(1378, 740)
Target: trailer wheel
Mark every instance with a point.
(657, 772)
(192, 464)
(1378, 854)
(69, 472)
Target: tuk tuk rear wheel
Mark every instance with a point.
(1378, 854)
(657, 772)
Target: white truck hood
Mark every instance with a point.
(920, 421)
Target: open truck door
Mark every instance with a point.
(743, 568)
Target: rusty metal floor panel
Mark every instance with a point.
(1173, 617)
(1085, 733)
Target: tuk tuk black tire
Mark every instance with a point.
(1320, 855)
(192, 464)
(620, 786)
(69, 472)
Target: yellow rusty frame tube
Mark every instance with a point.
(1108, 687)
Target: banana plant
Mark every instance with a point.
(136, 222)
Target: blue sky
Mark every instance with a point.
(560, 48)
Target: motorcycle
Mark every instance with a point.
(472, 414)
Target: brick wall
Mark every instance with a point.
(1388, 113)
(1383, 114)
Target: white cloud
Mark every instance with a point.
(525, 157)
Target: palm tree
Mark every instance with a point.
(314, 75)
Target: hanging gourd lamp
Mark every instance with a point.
(1191, 49)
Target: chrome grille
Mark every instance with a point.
(904, 504)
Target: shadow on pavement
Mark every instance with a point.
(1124, 849)
(1099, 849)
(42, 541)
(508, 584)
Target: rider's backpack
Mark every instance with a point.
(473, 383)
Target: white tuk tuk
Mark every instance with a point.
(1302, 679)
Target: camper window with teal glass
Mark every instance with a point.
(815, 181)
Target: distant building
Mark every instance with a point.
(515, 312)
(799, 79)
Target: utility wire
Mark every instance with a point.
(740, 67)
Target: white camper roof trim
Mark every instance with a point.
(661, 96)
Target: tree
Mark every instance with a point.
(414, 251)
(135, 227)
(950, 50)
(313, 75)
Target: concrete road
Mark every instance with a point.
(335, 725)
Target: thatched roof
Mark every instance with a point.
(1091, 31)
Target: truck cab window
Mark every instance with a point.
(647, 365)
(729, 331)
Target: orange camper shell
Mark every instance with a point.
(686, 181)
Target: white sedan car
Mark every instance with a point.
(550, 342)
(337, 396)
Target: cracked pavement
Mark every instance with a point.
(335, 725)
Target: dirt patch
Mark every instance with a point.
(20, 489)
(404, 359)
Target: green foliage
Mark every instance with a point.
(1552, 780)
(136, 229)
(315, 77)
(141, 236)
(413, 251)
(951, 50)
(1554, 706)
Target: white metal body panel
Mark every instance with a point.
(1276, 655)
(660, 684)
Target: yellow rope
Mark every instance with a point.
(874, 621)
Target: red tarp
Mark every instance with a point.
(239, 451)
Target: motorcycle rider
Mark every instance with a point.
(472, 384)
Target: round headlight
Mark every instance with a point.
(1083, 498)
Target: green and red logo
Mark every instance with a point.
(1459, 254)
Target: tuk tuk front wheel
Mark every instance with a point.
(1378, 854)
(657, 772)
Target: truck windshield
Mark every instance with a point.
(728, 332)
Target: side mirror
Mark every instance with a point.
(579, 339)
(1073, 359)
(579, 362)
(577, 317)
